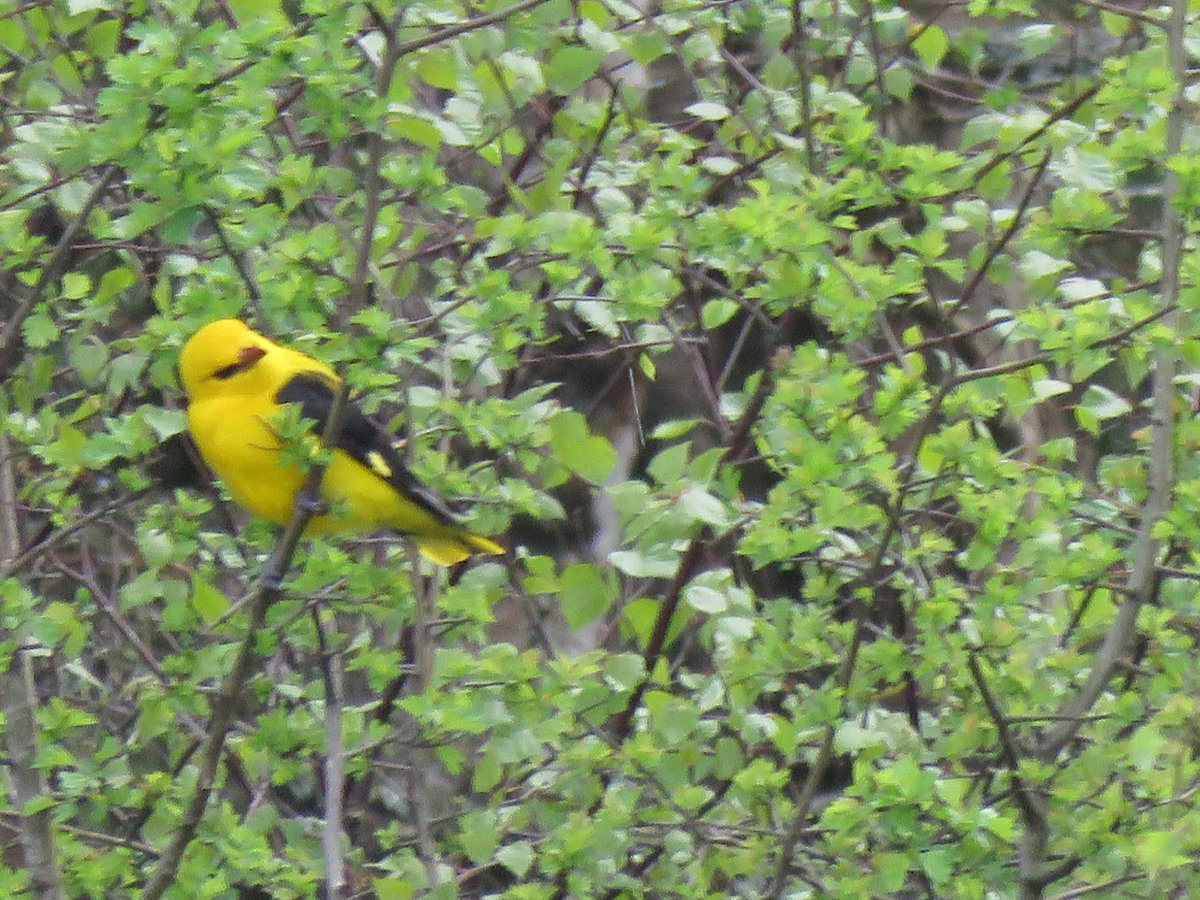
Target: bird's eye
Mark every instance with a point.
(246, 359)
(228, 371)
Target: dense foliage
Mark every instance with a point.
(825, 367)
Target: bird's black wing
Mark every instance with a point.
(363, 439)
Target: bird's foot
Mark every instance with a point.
(309, 503)
(271, 574)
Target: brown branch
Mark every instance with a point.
(225, 705)
(1031, 806)
(332, 827)
(1126, 12)
(240, 263)
(804, 67)
(10, 338)
(622, 722)
(1063, 112)
(816, 772)
(1009, 233)
(27, 781)
(52, 539)
(1142, 581)
(452, 31)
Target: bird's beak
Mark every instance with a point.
(248, 356)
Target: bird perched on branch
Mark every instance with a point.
(238, 383)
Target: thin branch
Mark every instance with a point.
(225, 704)
(1126, 12)
(804, 69)
(998, 247)
(820, 765)
(335, 762)
(239, 260)
(1063, 112)
(424, 653)
(453, 31)
(27, 780)
(622, 722)
(1143, 580)
(1032, 807)
(10, 338)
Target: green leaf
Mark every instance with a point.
(1045, 388)
(641, 614)
(1040, 38)
(76, 7)
(898, 81)
(1145, 746)
(716, 313)
(1160, 849)
(589, 456)
(479, 836)
(418, 129)
(164, 422)
(1036, 264)
(570, 67)
(668, 465)
(596, 13)
(1117, 25)
(698, 504)
(720, 165)
(89, 359)
(938, 865)
(516, 857)
(645, 46)
(708, 110)
(674, 428)
(113, 282)
(439, 68)
(76, 285)
(40, 330)
(1104, 403)
(38, 804)
(655, 562)
(394, 888)
(646, 364)
(208, 600)
(861, 70)
(705, 599)
(584, 595)
(930, 46)
(625, 671)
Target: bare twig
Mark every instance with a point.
(1126, 12)
(1063, 112)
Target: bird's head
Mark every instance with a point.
(223, 357)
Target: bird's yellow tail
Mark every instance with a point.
(448, 549)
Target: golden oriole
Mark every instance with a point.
(238, 381)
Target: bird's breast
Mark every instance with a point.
(235, 438)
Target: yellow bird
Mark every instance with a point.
(238, 381)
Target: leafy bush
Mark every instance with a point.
(828, 370)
